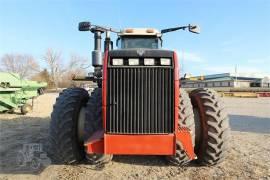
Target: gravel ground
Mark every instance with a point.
(249, 157)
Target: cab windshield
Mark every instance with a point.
(139, 42)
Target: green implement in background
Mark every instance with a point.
(15, 91)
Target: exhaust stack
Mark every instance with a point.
(97, 53)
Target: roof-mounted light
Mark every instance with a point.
(150, 31)
(129, 30)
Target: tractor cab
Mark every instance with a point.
(139, 38)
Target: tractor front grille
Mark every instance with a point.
(140, 100)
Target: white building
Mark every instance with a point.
(223, 80)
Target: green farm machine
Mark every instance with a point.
(15, 92)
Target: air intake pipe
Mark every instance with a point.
(97, 52)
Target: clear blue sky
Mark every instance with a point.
(232, 32)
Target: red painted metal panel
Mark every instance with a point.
(176, 93)
(96, 147)
(95, 144)
(263, 94)
(183, 135)
(139, 144)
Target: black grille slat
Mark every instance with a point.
(140, 100)
(170, 105)
(156, 101)
(162, 99)
(159, 105)
(149, 100)
(124, 101)
(165, 99)
(135, 101)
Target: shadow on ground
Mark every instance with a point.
(250, 124)
(142, 160)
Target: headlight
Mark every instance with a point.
(149, 61)
(117, 62)
(133, 61)
(165, 61)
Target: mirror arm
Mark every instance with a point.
(111, 44)
(189, 27)
(117, 41)
(161, 41)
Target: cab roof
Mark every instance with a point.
(140, 32)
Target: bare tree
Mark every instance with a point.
(43, 76)
(61, 74)
(23, 64)
(76, 66)
(53, 60)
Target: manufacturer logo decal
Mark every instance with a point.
(140, 52)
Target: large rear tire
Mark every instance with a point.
(212, 126)
(64, 144)
(93, 123)
(185, 119)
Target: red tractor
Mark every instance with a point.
(138, 107)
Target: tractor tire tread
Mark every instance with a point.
(63, 143)
(218, 131)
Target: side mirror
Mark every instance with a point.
(194, 29)
(84, 26)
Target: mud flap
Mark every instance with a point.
(183, 135)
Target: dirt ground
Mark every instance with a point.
(249, 157)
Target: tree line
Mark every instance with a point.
(56, 73)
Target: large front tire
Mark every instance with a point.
(64, 144)
(212, 126)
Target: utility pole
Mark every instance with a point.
(235, 72)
